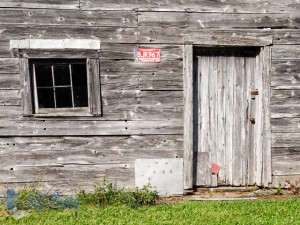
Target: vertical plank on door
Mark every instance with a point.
(221, 106)
(213, 73)
(250, 69)
(258, 122)
(203, 116)
(204, 177)
(229, 114)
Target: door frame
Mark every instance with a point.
(188, 111)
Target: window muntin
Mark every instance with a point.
(59, 84)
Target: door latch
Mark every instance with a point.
(254, 93)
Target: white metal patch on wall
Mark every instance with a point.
(164, 175)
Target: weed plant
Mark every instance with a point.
(109, 194)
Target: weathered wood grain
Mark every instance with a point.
(188, 116)
(285, 97)
(150, 98)
(285, 52)
(109, 67)
(285, 140)
(285, 125)
(81, 157)
(215, 20)
(242, 37)
(286, 165)
(285, 111)
(86, 128)
(204, 171)
(235, 6)
(69, 17)
(75, 172)
(93, 144)
(4, 49)
(9, 81)
(10, 97)
(266, 145)
(9, 65)
(40, 4)
(105, 34)
(145, 81)
(157, 35)
(285, 75)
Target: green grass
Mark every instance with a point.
(241, 212)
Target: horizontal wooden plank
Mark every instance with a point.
(217, 37)
(118, 67)
(285, 140)
(68, 17)
(234, 6)
(10, 111)
(157, 35)
(285, 111)
(10, 97)
(285, 74)
(81, 157)
(145, 81)
(285, 52)
(285, 125)
(73, 172)
(9, 65)
(40, 4)
(285, 165)
(94, 128)
(285, 97)
(143, 98)
(4, 50)
(9, 81)
(94, 145)
(215, 20)
(105, 34)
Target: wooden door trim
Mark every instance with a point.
(188, 115)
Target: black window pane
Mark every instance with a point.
(61, 74)
(79, 77)
(80, 96)
(45, 97)
(43, 74)
(63, 97)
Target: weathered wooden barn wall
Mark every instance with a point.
(142, 103)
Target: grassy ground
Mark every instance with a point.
(240, 212)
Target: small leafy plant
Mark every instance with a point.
(109, 194)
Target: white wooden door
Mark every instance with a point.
(231, 130)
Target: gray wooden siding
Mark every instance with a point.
(142, 103)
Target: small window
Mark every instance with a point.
(59, 84)
(63, 87)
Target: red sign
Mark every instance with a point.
(147, 55)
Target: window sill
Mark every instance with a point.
(78, 112)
